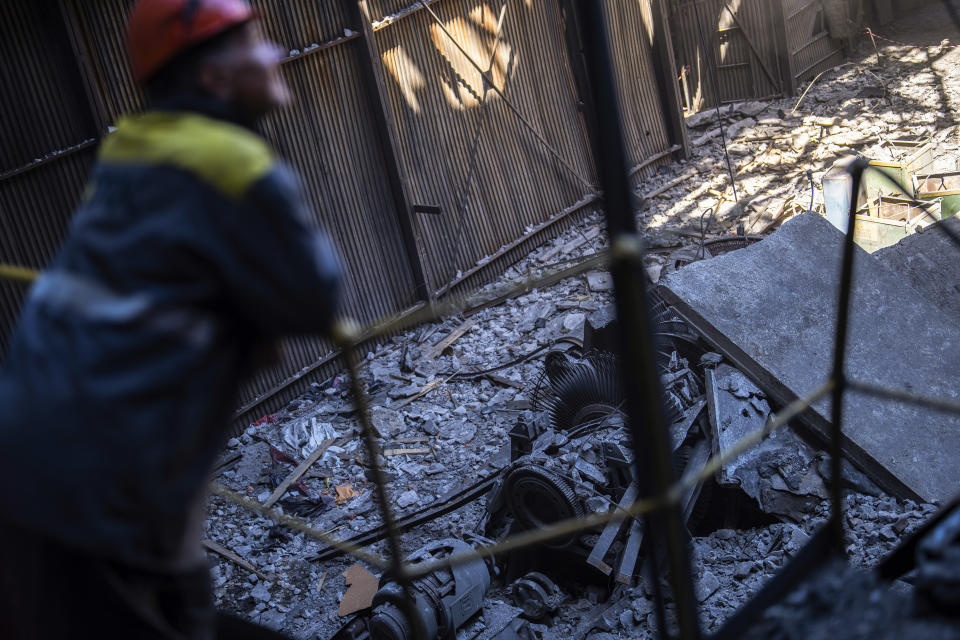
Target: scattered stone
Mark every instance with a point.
(460, 431)
(407, 498)
(599, 281)
(707, 585)
(574, 322)
(260, 593)
(387, 422)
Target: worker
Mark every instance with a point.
(188, 252)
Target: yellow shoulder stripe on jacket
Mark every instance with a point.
(224, 155)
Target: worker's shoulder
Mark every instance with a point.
(226, 156)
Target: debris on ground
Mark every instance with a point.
(464, 405)
(776, 304)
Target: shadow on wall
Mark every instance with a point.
(481, 46)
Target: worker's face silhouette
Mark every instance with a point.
(246, 74)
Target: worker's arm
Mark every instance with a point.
(282, 275)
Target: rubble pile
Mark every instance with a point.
(861, 107)
(461, 403)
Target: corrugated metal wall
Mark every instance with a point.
(742, 74)
(489, 173)
(43, 110)
(631, 34)
(811, 48)
(744, 44)
(498, 166)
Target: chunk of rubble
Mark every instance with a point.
(771, 307)
(930, 261)
(781, 472)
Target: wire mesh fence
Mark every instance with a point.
(662, 493)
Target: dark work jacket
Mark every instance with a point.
(188, 251)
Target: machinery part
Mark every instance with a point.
(575, 393)
(522, 436)
(583, 393)
(443, 600)
(160, 30)
(619, 465)
(537, 595)
(538, 498)
(938, 568)
(611, 531)
(630, 554)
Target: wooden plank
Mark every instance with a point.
(234, 558)
(669, 185)
(427, 388)
(454, 335)
(507, 382)
(657, 156)
(296, 473)
(403, 452)
(628, 559)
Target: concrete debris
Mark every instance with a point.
(599, 281)
(407, 498)
(471, 422)
(839, 601)
(747, 301)
(780, 473)
(307, 434)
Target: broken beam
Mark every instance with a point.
(610, 532)
(221, 550)
(296, 473)
(669, 185)
(628, 561)
(455, 335)
(402, 452)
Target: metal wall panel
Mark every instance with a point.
(329, 136)
(42, 106)
(493, 173)
(811, 47)
(97, 33)
(443, 119)
(742, 49)
(35, 211)
(630, 31)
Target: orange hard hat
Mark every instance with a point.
(158, 30)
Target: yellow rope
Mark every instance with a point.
(14, 272)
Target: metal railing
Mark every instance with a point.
(661, 493)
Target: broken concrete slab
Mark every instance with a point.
(780, 472)
(771, 309)
(930, 261)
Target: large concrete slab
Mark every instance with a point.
(771, 309)
(930, 261)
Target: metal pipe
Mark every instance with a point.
(856, 169)
(642, 384)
